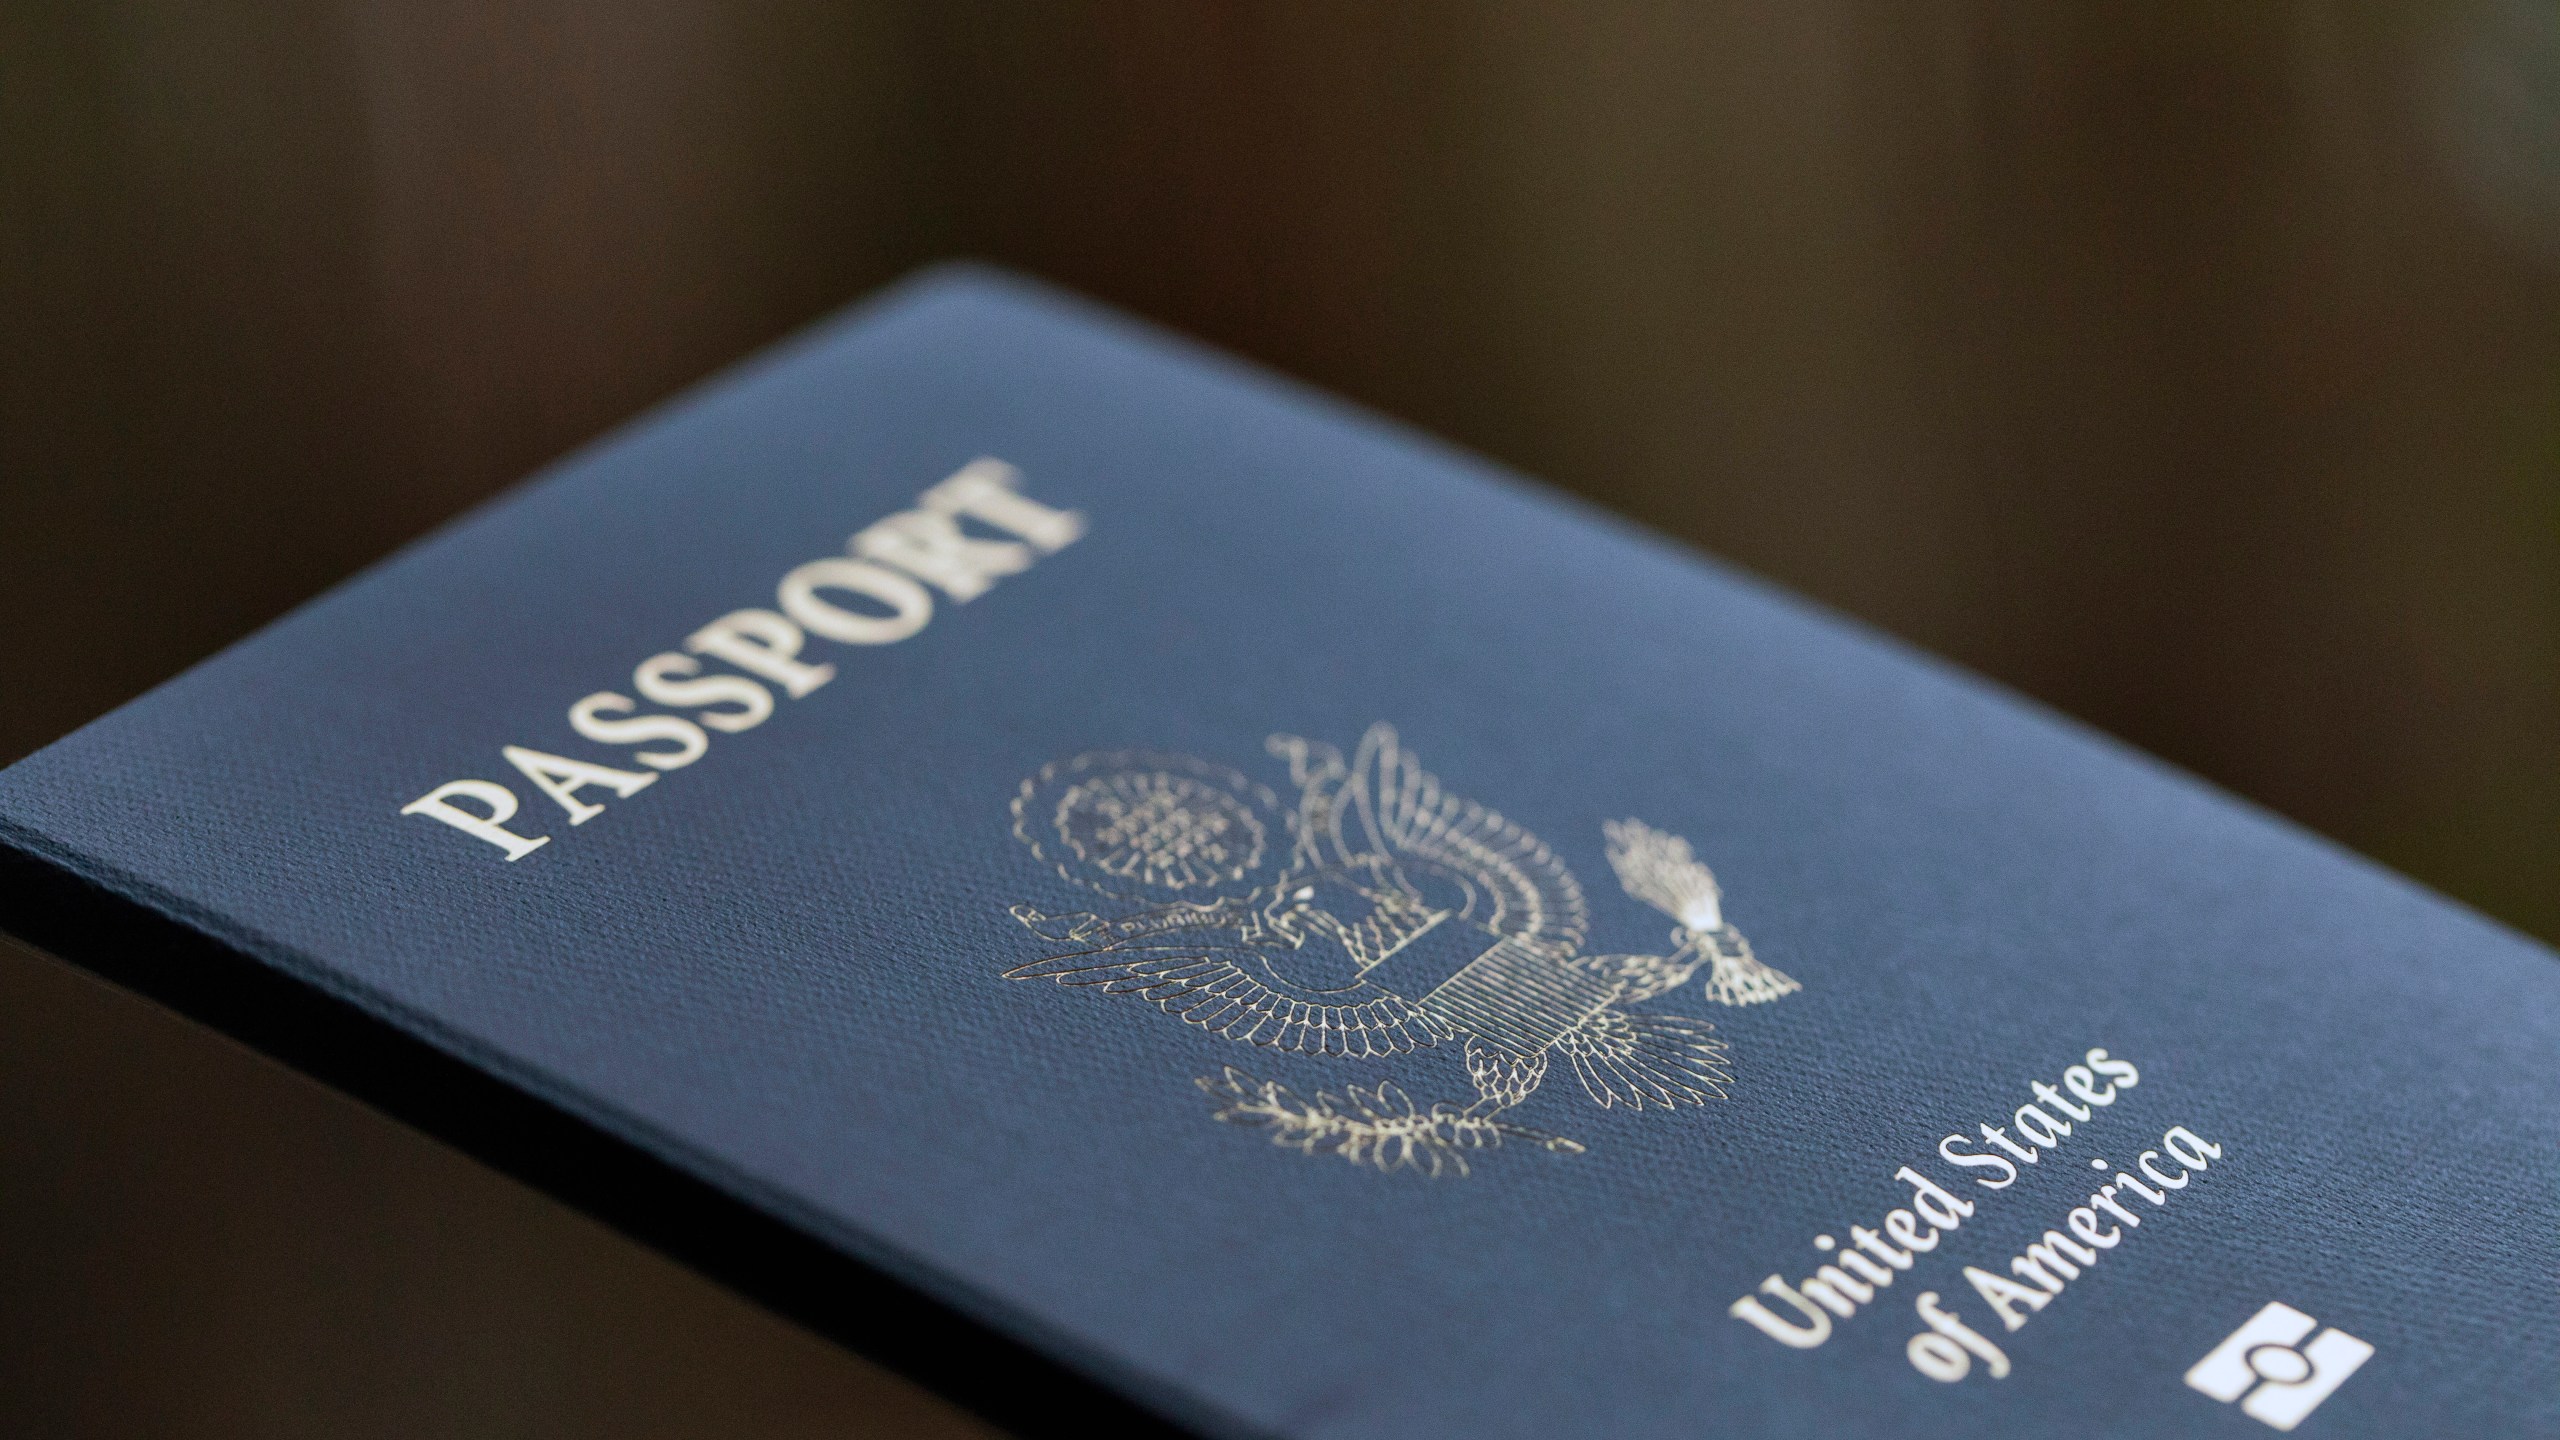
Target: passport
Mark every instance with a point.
(1137, 894)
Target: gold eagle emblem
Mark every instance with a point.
(1376, 916)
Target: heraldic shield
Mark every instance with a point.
(1370, 916)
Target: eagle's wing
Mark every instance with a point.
(1515, 885)
(1226, 990)
(1641, 977)
(1640, 1060)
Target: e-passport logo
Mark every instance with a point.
(2267, 1361)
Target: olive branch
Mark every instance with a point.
(1367, 1125)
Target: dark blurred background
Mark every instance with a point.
(2191, 366)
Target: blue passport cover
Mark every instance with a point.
(1136, 893)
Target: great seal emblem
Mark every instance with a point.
(1376, 916)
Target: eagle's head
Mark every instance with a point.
(1363, 911)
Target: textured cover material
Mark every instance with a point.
(1153, 919)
